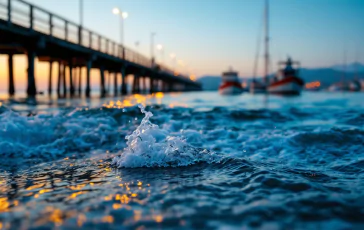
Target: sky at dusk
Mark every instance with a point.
(211, 35)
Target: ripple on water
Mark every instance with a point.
(241, 169)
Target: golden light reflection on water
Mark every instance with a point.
(45, 191)
(129, 101)
(81, 219)
(4, 204)
(155, 98)
(137, 215)
(159, 95)
(77, 187)
(135, 99)
(178, 104)
(75, 194)
(60, 205)
(56, 217)
(108, 219)
(158, 218)
(35, 186)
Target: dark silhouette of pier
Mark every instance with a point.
(29, 30)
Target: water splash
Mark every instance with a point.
(150, 146)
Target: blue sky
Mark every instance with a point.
(211, 35)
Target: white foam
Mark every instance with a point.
(50, 135)
(150, 146)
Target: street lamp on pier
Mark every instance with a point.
(152, 35)
(161, 49)
(123, 15)
(173, 57)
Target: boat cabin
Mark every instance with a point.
(289, 70)
(230, 76)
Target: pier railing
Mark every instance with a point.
(35, 18)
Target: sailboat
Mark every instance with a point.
(286, 81)
(257, 86)
(355, 85)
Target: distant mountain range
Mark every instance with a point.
(327, 76)
(351, 68)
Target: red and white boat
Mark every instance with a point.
(286, 81)
(230, 83)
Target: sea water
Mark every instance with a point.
(183, 161)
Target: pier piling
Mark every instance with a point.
(123, 80)
(72, 88)
(11, 75)
(170, 87)
(31, 88)
(144, 83)
(108, 83)
(79, 81)
(135, 84)
(88, 88)
(64, 81)
(102, 82)
(50, 79)
(151, 85)
(115, 84)
(74, 80)
(59, 79)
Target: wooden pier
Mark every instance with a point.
(26, 29)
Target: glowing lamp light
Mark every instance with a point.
(172, 55)
(116, 11)
(124, 15)
(159, 95)
(181, 63)
(159, 47)
(313, 85)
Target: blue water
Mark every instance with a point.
(183, 161)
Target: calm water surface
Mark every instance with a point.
(189, 161)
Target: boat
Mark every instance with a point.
(286, 81)
(355, 85)
(259, 86)
(230, 84)
(338, 87)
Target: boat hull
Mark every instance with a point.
(230, 88)
(257, 89)
(289, 86)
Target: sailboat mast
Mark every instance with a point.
(344, 72)
(266, 40)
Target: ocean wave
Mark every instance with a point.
(54, 135)
(179, 136)
(150, 146)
